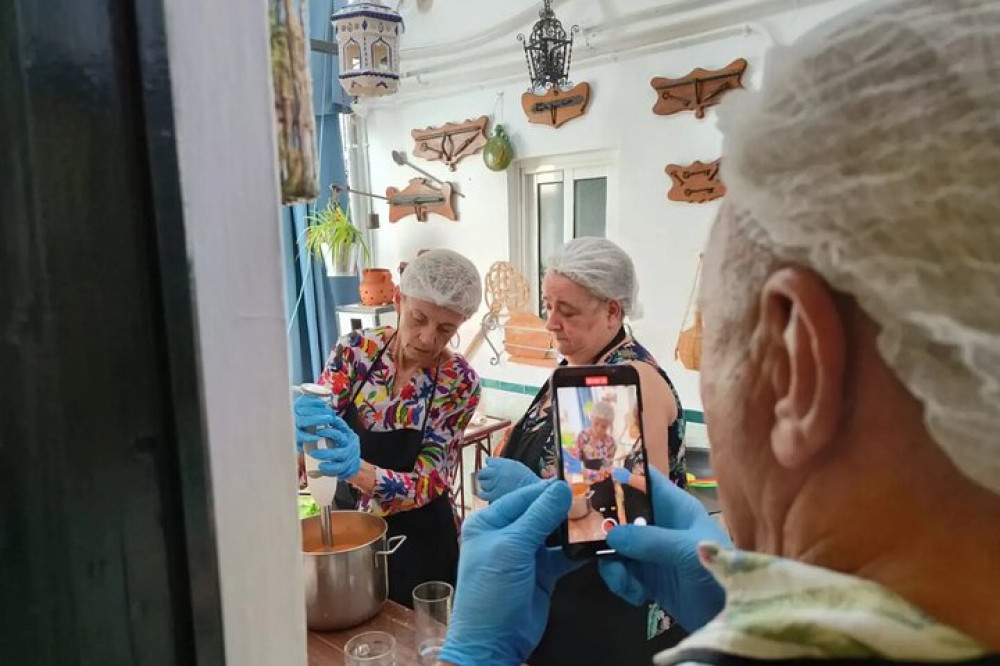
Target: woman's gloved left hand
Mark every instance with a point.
(506, 576)
(572, 463)
(621, 475)
(502, 476)
(314, 420)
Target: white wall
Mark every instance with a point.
(227, 157)
(664, 238)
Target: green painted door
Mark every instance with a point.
(106, 548)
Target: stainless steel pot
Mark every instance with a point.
(348, 586)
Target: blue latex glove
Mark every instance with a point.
(660, 563)
(314, 420)
(621, 475)
(571, 463)
(502, 476)
(506, 576)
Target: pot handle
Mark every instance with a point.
(394, 544)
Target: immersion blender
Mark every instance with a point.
(321, 487)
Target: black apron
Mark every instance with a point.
(588, 624)
(603, 498)
(430, 551)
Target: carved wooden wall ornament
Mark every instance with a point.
(451, 142)
(421, 198)
(697, 182)
(556, 107)
(698, 90)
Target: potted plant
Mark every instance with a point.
(332, 237)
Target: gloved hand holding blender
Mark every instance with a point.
(315, 420)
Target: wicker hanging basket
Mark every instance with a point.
(688, 350)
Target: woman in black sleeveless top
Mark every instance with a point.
(588, 291)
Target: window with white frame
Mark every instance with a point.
(561, 199)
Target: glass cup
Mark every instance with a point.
(372, 648)
(432, 605)
(477, 489)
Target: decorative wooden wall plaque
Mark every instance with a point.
(697, 182)
(451, 142)
(556, 107)
(421, 198)
(698, 90)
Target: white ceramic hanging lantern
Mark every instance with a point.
(368, 40)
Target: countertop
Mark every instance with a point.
(326, 648)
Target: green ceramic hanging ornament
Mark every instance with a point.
(498, 151)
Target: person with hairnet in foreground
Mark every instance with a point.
(401, 401)
(850, 375)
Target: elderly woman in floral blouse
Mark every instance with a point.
(595, 446)
(401, 399)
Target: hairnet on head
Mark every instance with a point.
(600, 267)
(444, 278)
(602, 410)
(871, 155)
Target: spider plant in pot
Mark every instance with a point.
(332, 237)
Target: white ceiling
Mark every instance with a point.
(459, 42)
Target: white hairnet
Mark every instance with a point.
(871, 154)
(444, 278)
(602, 410)
(600, 267)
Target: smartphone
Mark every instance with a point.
(602, 454)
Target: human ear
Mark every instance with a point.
(805, 333)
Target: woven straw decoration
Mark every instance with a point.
(506, 288)
(688, 350)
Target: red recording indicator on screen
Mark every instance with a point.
(599, 380)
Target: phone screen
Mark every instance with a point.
(603, 456)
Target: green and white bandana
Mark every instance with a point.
(781, 609)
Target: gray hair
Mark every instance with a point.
(600, 267)
(444, 278)
(602, 410)
(869, 155)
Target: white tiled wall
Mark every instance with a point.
(505, 405)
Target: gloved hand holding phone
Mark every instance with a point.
(660, 563)
(506, 576)
(502, 476)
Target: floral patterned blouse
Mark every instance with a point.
(590, 448)
(451, 408)
(627, 352)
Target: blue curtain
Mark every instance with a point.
(312, 298)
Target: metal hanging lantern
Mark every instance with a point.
(368, 41)
(548, 52)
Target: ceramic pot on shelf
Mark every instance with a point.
(376, 287)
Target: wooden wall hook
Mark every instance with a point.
(556, 107)
(420, 198)
(700, 89)
(451, 142)
(697, 182)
